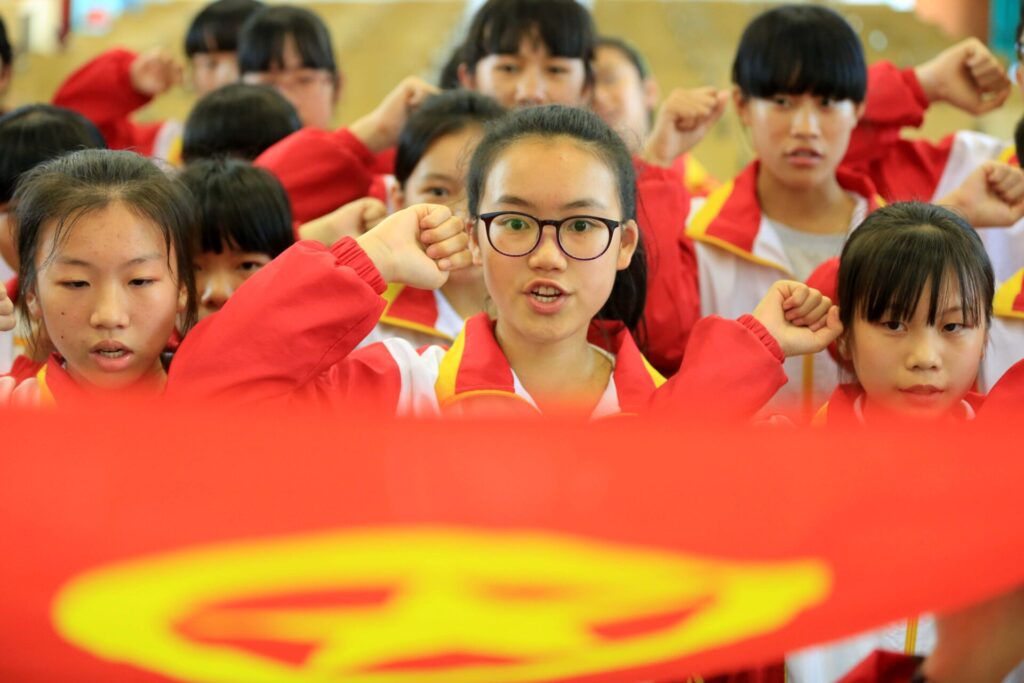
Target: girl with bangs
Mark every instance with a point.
(915, 300)
(800, 79)
(553, 205)
(244, 223)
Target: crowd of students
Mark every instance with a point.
(533, 238)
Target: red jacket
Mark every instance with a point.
(323, 170)
(673, 293)
(905, 169)
(275, 341)
(102, 92)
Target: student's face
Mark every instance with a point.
(800, 139)
(440, 178)
(219, 275)
(108, 296)
(913, 369)
(530, 77)
(545, 296)
(212, 70)
(621, 97)
(440, 175)
(313, 92)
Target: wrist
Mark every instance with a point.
(379, 254)
(930, 82)
(369, 132)
(654, 158)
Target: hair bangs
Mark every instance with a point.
(216, 27)
(564, 27)
(796, 50)
(262, 40)
(902, 251)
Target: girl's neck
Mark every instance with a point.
(822, 210)
(150, 384)
(567, 376)
(467, 296)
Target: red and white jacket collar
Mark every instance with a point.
(474, 374)
(1009, 299)
(421, 311)
(731, 217)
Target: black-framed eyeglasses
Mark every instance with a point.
(583, 238)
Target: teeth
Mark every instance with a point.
(546, 294)
(112, 354)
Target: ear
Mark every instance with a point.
(742, 105)
(182, 299)
(843, 346)
(397, 197)
(32, 301)
(629, 237)
(466, 79)
(474, 246)
(859, 111)
(652, 93)
(1018, 74)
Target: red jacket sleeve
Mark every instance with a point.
(731, 369)
(281, 333)
(102, 92)
(673, 295)
(320, 170)
(901, 169)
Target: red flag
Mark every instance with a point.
(273, 547)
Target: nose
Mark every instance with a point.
(924, 353)
(548, 255)
(110, 310)
(216, 291)
(805, 120)
(530, 90)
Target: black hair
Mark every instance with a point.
(439, 115)
(1018, 141)
(215, 28)
(237, 120)
(448, 79)
(261, 40)
(797, 49)
(65, 189)
(585, 128)
(240, 207)
(35, 133)
(565, 27)
(629, 50)
(6, 53)
(902, 248)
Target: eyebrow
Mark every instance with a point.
(438, 176)
(584, 203)
(69, 261)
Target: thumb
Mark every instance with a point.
(832, 329)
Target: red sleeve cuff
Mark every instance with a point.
(914, 85)
(763, 335)
(348, 253)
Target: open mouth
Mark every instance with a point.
(546, 295)
(111, 349)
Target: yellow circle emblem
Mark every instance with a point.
(424, 605)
